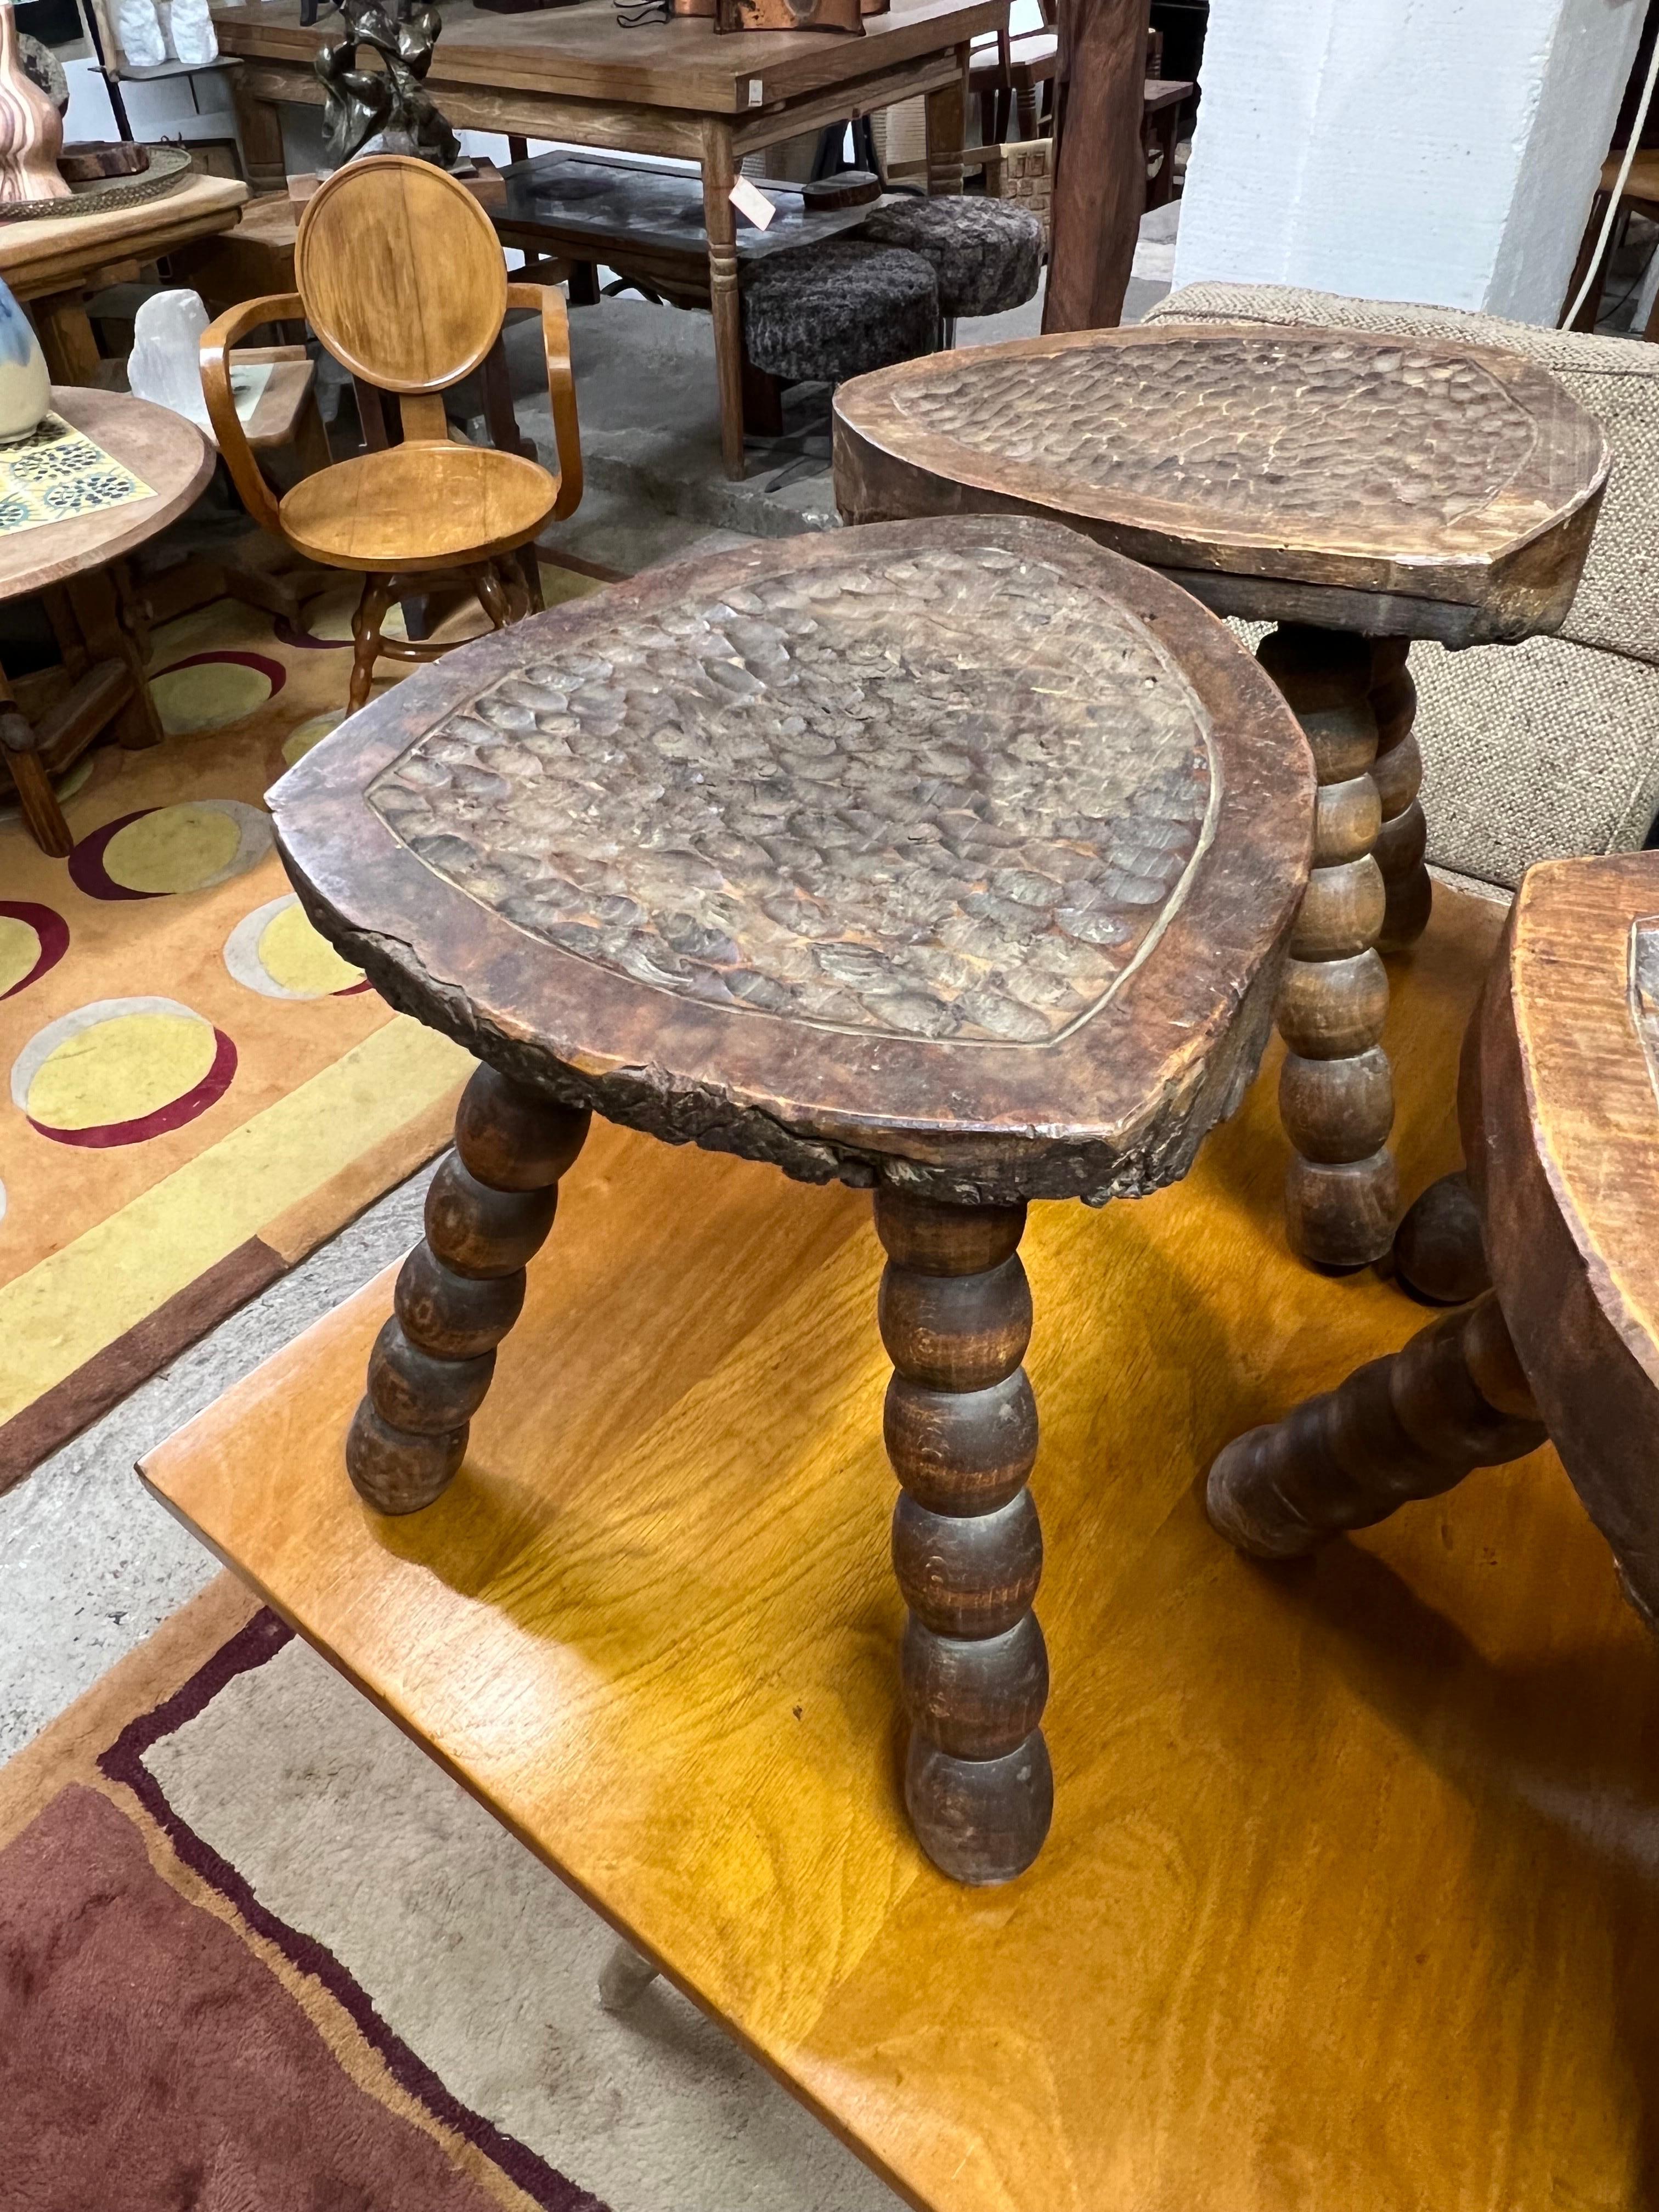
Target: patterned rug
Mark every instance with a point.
(199, 1091)
(258, 1953)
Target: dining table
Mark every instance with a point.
(578, 76)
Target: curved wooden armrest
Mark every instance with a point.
(217, 341)
(561, 388)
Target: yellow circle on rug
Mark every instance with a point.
(175, 848)
(298, 743)
(121, 1069)
(206, 694)
(294, 957)
(20, 948)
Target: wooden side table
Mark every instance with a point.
(955, 861)
(1360, 491)
(53, 263)
(78, 564)
(1558, 1100)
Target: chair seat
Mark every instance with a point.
(418, 507)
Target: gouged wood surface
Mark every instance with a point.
(1347, 1902)
(1326, 460)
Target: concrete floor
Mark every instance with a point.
(89, 1564)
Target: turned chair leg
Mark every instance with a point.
(1397, 773)
(1439, 1249)
(488, 1211)
(374, 599)
(530, 567)
(492, 594)
(960, 1429)
(1336, 1089)
(1408, 1426)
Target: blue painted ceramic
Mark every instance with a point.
(25, 388)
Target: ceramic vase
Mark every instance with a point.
(25, 388)
(30, 129)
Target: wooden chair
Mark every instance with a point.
(1558, 1100)
(398, 270)
(1012, 74)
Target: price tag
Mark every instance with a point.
(756, 93)
(753, 204)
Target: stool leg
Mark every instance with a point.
(376, 598)
(1398, 774)
(1408, 1426)
(1336, 1091)
(1440, 1248)
(488, 1211)
(960, 1429)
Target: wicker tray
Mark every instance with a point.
(168, 166)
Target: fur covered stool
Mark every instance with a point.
(986, 255)
(834, 310)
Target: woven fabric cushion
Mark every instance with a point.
(837, 309)
(1616, 379)
(986, 256)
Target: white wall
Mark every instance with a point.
(1436, 150)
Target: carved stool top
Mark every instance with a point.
(1397, 486)
(957, 854)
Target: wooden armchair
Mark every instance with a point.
(399, 273)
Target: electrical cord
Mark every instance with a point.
(1638, 126)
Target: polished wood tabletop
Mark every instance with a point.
(1348, 1901)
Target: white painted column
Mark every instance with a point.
(1442, 151)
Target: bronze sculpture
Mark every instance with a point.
(386, 110)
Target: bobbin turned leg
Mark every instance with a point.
(1336, 1089)
(488, 1210)
(1408, 1426)
(961, 1429)
(1398, 774)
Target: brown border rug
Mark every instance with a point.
(259, 1953)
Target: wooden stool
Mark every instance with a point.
(399, 273)
(1558, 1100)
(953, 860)
(1360, 491)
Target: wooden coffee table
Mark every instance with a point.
(953, 860)
(1359, 490)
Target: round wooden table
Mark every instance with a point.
(94, 614)
(956, 860)
(1359, 490)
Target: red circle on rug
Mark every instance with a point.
(173, 1115)
(51, 932)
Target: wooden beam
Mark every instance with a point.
(1100, 175)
